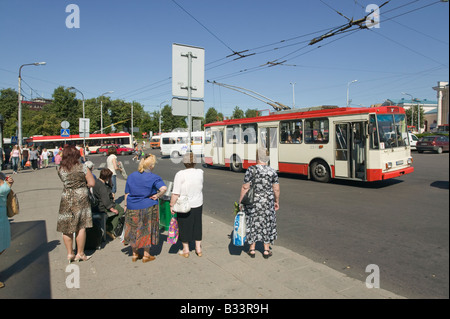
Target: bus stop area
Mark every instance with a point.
(36, 266)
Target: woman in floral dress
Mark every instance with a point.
(260, 217)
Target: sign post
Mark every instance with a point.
(188, 84)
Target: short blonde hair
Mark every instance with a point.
(148, 162)
(263, 155)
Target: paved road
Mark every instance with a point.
(401, 225)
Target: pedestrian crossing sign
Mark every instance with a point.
(65, 132)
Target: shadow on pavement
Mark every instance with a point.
(26, 263)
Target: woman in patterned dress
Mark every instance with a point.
(5, 231)
(142, 191)
(75, 208)
(260, 217)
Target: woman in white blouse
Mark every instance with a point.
(189, 182)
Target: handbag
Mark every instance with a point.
(92, 199)
(182, 205)
(249, 197)
(172, 238)
(12, 204)
(27, 164)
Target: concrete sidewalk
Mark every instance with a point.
(35, 265)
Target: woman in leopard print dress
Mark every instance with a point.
(75, 209)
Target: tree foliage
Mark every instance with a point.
(116, 114)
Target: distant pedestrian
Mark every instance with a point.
(45, 155)
(34, 155)
(5, 231)
(260, 217)
(15, 158)
(113, 165)
(189, 182)
(58, 158)
(142, 191)
(2, 158)
(75, 213)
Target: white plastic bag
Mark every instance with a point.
(239, 230)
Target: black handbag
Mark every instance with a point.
(92, 199)
(249, 196)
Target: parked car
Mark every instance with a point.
(413, 141)
(120, 149)
(436, 144)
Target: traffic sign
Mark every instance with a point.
(65, 132)
(65, 124)
(13, 139)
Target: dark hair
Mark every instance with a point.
(70, 157)
(112, 150)
(105, 175)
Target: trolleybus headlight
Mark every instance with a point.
(410, 160)
(388, 165)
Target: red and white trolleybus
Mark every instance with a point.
(364, 144)
(94, 141)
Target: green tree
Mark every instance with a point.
(237, 113)
(8, 108)
(213, 116)
(251, 113)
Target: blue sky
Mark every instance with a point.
(126, 46)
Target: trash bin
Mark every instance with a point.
(164, 208)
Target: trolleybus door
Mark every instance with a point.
(268, 138)
(350, 150)
(217, 147)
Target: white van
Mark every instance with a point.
(174, 144)
(413, 141)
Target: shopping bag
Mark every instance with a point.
(173, 231)
(12, 204)
(239, 230)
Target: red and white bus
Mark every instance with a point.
(94, 141)
(364, 144)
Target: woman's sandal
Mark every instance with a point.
(80, 258)
(269, 254)
(134, 258)
(71, 258)
(251, 253)
(146, 259)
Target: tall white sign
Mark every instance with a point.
(180, 71)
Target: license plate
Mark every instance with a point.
(399, 163)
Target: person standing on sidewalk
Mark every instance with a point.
(189, 182)
(260, 217)
(5, 231)
(113, 165)
(75, 213)
(34, 156)
(142, 191)
(14, 158)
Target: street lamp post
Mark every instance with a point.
(348, 89)
(293, 94)
(412, 112)
(101, 110)
(19, 113)
(84, 131)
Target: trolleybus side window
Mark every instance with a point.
(249, 134)
(316, 131)
(291, 132)
(233, 134)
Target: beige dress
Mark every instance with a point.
(75, 207)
